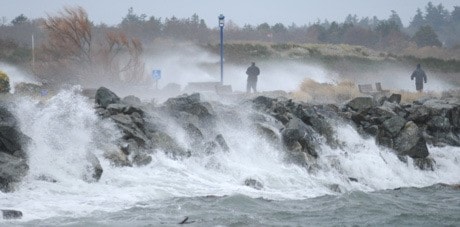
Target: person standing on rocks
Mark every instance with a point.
(420, 76)
(253, 72)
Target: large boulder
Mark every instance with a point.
(94, 168)
(104, 97)
(394, 125)
(360, 103)
(410, 142)
(297, 132)
(13, 159)
(12, 170)
(189, 108)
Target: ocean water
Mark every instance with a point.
(210, 190)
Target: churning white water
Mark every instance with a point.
(64, 128)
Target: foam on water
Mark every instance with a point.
(65, 127)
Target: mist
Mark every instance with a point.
(185, 63)
(17, 75)
(188, 63)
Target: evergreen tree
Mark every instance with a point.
(21, 19)
(455, 17)
(396, 19)
(437, 16)
(426, 36)
(417, 21)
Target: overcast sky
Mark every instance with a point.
(241, 12)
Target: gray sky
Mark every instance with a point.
(241, 12)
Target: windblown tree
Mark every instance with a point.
(73, 55)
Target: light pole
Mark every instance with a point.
(221, 25)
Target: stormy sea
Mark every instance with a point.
(358, 183)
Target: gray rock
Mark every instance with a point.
(94, 168)
(13, 159)
(141, 159)
(419, 114)
(395, 98)
(166, 143)
(394, 125)
(455, 117)
(131, 100)
(410, 142)
(425, 163)
(12, 170)
(222, 143)
(104, 97)
(117, 158)
(297, 131)
(253, 184)
(439, 124)
(360, 103)
(11, 214)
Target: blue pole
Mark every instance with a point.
(221, 55)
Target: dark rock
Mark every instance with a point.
(266, 132)
(104, 97)
(410, 142)
(395, 98)
(10, 139)
(454, 116)
(11, 214)
(141, 159)
(419, 114)
(185, 107)
(222, 143)
(297, 131)
(425, 163)
(116, 108)
(372, 130)
(47, 178)
(262, 102)
(166, 143)
(360, 103)
(394, 125)
(335, 188)
(194, 133)
(353, 179)
(117, 158)
(130, 129)
(253, 184)
(94, 168)
(12, 170)
(439, 124)
(13, 159)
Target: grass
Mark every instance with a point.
(323, 93)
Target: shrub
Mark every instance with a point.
(4, 83)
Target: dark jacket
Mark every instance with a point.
(420, 76)
(252, 72)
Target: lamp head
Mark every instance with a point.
(221, 20)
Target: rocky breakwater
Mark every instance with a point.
(407, 128)
(149, 128)
(299, 129)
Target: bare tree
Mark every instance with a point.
(72, 50)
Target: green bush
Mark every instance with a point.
(4, 83)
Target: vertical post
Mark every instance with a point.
(33, 53)
(221, 25)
